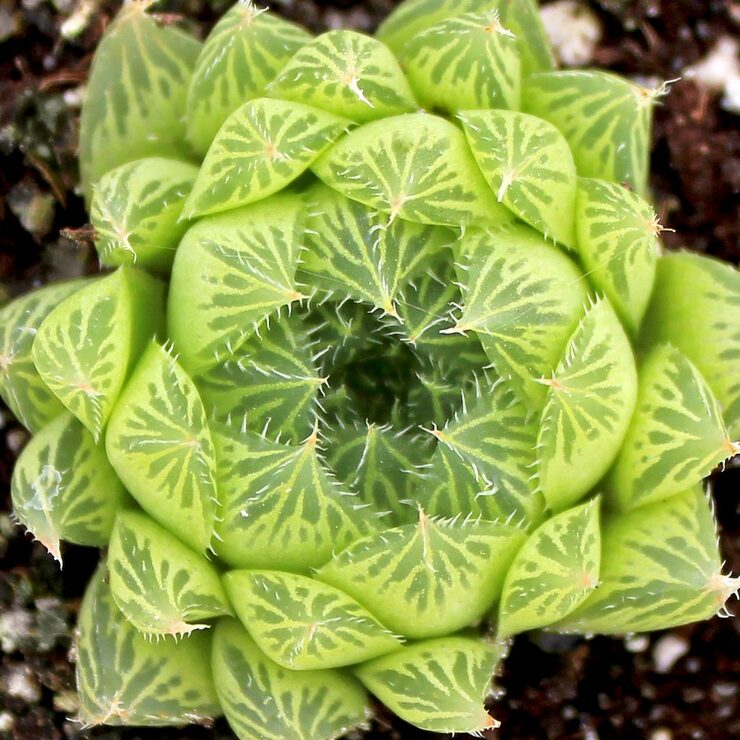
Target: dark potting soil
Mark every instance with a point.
(683, 683)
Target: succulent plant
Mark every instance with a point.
(390, 369)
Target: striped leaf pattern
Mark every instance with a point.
(159, 444)
(135, 210)
(437, 685)
(262, 700)
(468, 61)
(242, 54)
(677, 435)
(263, 146)
(349, 72)
(604, 118)
(429, 578)
(618, 244)
(85, 347)
(124, 679)
(21, 386)
(63, 487)
(303, 624)
(529, 167)
(417, 167)
(590, 400)
(556, 569)
(660, 568)
(161, 586)
(231, 272)
(136, 94)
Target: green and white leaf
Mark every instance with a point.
(241, 55)
(590, 400)
(159, 444)
(86, 346)
(263, 146)
(554, 572)
(346, 71)
(303, 624)
(161, 586)
(63, 487)
(529, 166)
(677, 435)
(135, 210)
(262, 700)
(427, 579)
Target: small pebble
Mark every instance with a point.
(16, 626)
(574, 31)
(67, 702)
(21, 683)
(661, 733)
(7, 722)
(667, 651)
(636, 643)
(15, 440)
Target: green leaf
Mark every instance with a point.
(605, 119)
(554, 572)
(136, 94)
(467, 61)
(437, 685)
(417, 167)
(660, 568)
(135, 210)
(160, 446)
(161, 586)
(280, 506)
(426, 579)
(677, 435)
(529, 166)
(64, 488)
(21, 386)
(86, 346)
(263, 700)
(241, 55)
(263, 146)
(123, 679)
(590, 400)
(522, 297)
(231, 272)
(303, 624)
(349, 72)
(696, 307)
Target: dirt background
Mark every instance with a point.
(684, 683)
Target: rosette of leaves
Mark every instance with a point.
(390, 369)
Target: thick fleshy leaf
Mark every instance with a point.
(660, 568)
(696, 307)
(417, 167)
(161, 586)
(85, 348)
(427, 579)
(437, 685)
(618, 243)
(21, 386)
(522, 297)
(554, 572)
(135, 210)
(348, 72)
(303, 624)
(262, 700)
(136, 94)
(231, 271)
(160, 446)
(280, 506)
(677, 435)
(464, 62)
(124, 679)
(590, 400)
(529, 166)
(64, 488)
(244, 51)
(605, 119)
(263, 146)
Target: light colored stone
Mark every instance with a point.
(574, 31)
(667, 651)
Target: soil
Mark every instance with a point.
(684, 683)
